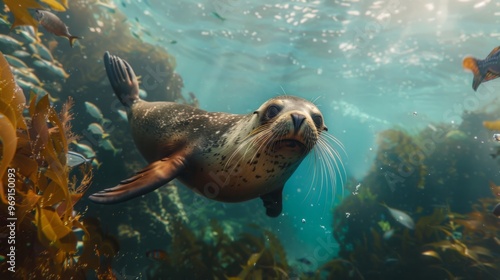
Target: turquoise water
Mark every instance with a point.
(369, 66)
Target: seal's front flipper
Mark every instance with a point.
(122, 79)
(273, 202)
(147, 180)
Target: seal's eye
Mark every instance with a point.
(272, 111)
(318, 120)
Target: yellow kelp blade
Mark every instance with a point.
(52, 229)
(9, 144)
(254, 258)
(55, 5)
(22, 16)
(65, 3)
(29, 201)
(11, 95)
(53, 194)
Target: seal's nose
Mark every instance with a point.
(297, 119)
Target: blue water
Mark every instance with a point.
(368, 65)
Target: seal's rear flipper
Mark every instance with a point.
(122, 79)
(147, 180)
(273, 202)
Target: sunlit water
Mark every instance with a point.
(368, 65)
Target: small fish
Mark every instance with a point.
(38, 90)
(52, 68)
(110, 7)
(401, 217)
(304, 261)
(158, 255)
(28, 76)
(496, 210)
(79, 245)
(17, 71)
(25, 85)
(41, 92)
(123, 114)
(16, 62)
(217, 16)
(85, 149)
(54, 25)
(5, 39)
(74, 159)
(483, 70)
(96, 163)
(41, 51)
(21, 53)
(95, 112)
(108, 145)
(391, 261)
(27, 35)
(496, 137)
(388, 234)
(97, 129)
(456, 135)
(4, 20)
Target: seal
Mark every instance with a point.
(224, 157)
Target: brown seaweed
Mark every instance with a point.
(34, 149)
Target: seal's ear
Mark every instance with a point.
(273, 202)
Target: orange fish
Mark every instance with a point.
(54, 25)
(483, 70)
(158, 255)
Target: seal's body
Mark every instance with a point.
(225, 157)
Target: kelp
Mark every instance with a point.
(34, 148)
(107, 247)
(444, 245)
(426, 175)
(20, 9)
(250, 256)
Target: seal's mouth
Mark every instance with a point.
(293, 144)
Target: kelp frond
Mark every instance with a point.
(34, 150)
(20, 9)
(66, 117)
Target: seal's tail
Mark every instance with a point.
(122, 79)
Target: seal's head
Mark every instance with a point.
(289, 125)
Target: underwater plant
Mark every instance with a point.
(425, 175)
(34, 152)
(444, 245)
(250, 256)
